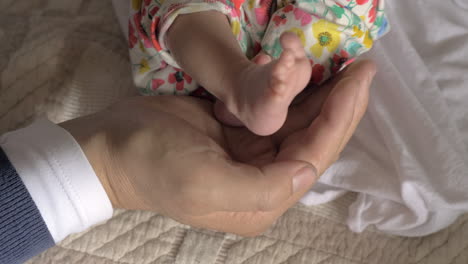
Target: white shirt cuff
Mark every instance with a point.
(58, 176)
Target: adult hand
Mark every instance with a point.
(168, 154)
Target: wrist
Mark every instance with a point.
(58, 176)
(92, 141)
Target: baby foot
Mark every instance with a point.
(265, 90)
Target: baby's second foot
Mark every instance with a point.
(266, 91)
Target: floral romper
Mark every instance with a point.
(333, 33)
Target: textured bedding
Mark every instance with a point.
(67, 58)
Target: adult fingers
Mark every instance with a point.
(365, 78)
(302, 114)
(358, 70)
(320, 143)
(237, 187)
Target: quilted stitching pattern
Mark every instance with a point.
(66, 58)
(298, 237)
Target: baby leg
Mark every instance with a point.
(152, 75)
(258, 95)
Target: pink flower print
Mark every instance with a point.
(238, 3)
(132, 39)
(137, 18)
(361, 2)
(257, 48)
(266, 3)
(339, 60)
(179, 78)
(348, 62)
(163, 64)
(261, 14)
(303, 16)
(288, 8)
(317, 74)
(141, 33)
(373, 11)
(153, 11)
(235, 13)
(147, 2)
(279, 20)
(156, 83)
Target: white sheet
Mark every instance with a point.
(408, 160)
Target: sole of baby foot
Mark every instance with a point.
(266, 91)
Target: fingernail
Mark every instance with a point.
(304, 177)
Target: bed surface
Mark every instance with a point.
(66, 58)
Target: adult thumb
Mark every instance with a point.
(269, 187)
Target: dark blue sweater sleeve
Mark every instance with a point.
(23, 232)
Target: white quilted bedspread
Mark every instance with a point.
(66, 58)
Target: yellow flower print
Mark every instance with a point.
(136, 4)
(235, 27)
(142, 48)
(357, 32)
(327, 36)
(144, 66)
(367, 41)
(300, 34)
(363, 18)
(251, 4)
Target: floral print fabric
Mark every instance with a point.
(333, 33)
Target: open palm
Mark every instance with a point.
(172, 156)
